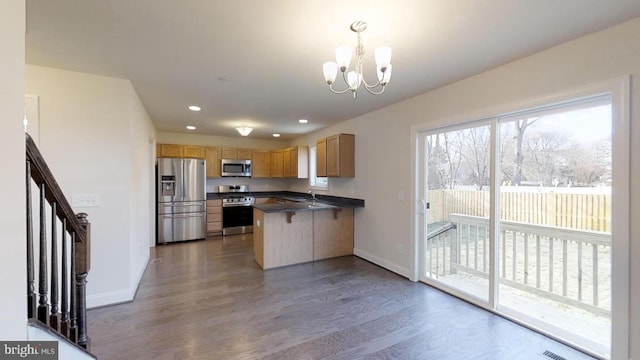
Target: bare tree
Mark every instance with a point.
(520, 126)
(476, 154)
(544, 156)
(444, 159)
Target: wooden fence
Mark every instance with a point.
(573, 211)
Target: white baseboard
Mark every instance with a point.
(400, 270)
(109, 298)
(119, 296)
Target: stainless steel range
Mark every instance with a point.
(237, 209)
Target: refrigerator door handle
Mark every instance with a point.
(188, 215)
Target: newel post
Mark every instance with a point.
(83, 265)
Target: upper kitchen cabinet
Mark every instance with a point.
(299, 160)
(180, 151)
(277, 163)
(213, 157)
(321, 158)
(336, 156)
(286, 163)
(236, 154)
(191, 151)
(229, 153)
(260, 163)
(244, 154)
(169, 150)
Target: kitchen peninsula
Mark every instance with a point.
(300, 230)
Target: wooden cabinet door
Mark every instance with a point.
(191, 151)
(214, 217)
(277, 168)
(243, 154)
(286, 163)
(341, 155)
(321, 158)
(333, 155)
(294, 162)
(229, 153)
(212, 156)
(260, 163)
(169, 150)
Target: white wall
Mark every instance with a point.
(383, 138)
(13, 268)
(94, 134)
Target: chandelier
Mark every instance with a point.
(354, 79)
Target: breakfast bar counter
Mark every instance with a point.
(296, 232)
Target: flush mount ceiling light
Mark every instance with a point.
(191, 127)
(194, 108)
(354, 78)
(244, 130)
(303, 121)
(276, 135)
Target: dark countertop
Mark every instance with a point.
(294, 206)
(321, 200)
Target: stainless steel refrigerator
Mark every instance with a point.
(182, 203)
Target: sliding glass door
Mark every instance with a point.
(533, 240)
(555, 220)
(458, 165)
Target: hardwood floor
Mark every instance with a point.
(210, 300)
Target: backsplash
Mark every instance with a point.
(255, 184)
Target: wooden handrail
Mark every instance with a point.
(41, 174)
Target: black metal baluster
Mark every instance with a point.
(55, 316)
(43, 306)
(81, 282)
(32, 300)
(73, 325)
(64, 320)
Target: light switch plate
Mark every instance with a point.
(85, 200)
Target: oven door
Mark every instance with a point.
(237, 220)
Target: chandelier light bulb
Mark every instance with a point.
(330, 70)
(343, 57)
(354, 80)
(384, 77)
(383, 57)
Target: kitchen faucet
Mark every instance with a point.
(313, 196)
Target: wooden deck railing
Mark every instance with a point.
(565, 265)
(59, 302)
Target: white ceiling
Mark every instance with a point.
(271, 51)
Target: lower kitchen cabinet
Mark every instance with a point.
(214, 217)
(332, 233)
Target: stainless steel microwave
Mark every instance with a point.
(232, 167)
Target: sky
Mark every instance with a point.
(583, 125)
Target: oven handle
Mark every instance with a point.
(236, 205)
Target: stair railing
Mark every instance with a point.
(59, 302)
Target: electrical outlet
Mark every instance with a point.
(400, 249)
(85, 200)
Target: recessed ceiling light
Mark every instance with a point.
(303, 121)
(223, 78)
(191, 127)
(276, 135)
(194, 108)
